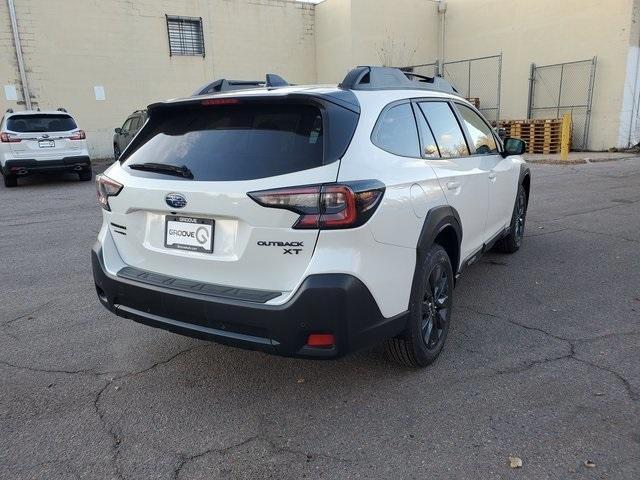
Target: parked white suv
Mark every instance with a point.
(308, 221)
(41, 142)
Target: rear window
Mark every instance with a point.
(232, 142)
(41, 123)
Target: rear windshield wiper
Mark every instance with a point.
(178, 171)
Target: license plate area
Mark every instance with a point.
(46, 143)
(189, 233)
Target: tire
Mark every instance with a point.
(85, 175)
(429, 312)
(511, 242)
(116, 151)
(10, 181)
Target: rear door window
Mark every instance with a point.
(232, 142)
(445, 128)
(395, 131)
(38, 123)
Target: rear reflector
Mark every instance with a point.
(220, 101)
(324, 340)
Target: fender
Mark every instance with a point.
(436, 221)
(525, 173)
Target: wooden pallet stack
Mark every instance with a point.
(542, 136)
(475, 101)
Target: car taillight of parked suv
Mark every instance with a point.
(308, 221)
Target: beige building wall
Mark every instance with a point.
(70, 46)
(548, 32)
(373, 32)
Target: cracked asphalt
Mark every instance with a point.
(542, 362)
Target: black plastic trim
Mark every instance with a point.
(35, 166)
(246, 294)
(329, 303)
(390, 78)
(436, 221)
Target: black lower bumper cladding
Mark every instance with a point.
(26, 166)
(338, 304)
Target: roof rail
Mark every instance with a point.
(60, 109)
(9, 110)
(223, 85)
(389, 78)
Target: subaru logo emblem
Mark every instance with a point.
(175, 200)
(44, 135)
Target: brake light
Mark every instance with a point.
(220, 101)
(9, 138)
(106, 187)
(79, 135)
(327, 206)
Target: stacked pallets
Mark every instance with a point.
(542, 136)
(475, 101)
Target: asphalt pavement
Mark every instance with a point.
(542, 362)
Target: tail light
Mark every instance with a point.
(106, 187)
(327, 206)
(9, 138)
(79, 135)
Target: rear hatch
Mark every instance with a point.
(44, 136)
(198, 222)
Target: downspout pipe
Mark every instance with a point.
(442, 12)
(16, 41)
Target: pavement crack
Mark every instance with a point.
(633, 395)
(185, 459)
(88, 371)
(28, 314)
(116, 438)
(583, 230)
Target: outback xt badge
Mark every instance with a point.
(286, 251)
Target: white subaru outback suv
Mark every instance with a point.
(34, 141)
(308, 221)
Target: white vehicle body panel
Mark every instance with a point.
(381, 253)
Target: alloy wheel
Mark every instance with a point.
(435, 306)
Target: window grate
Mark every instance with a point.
(185, 36)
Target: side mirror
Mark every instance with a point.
(514, 146)
(118, 130)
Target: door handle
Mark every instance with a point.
(492, 175)
(453, 185)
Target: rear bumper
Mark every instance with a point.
(329, 303)
(26, 166)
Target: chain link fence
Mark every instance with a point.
(475, 78)
(564, 87)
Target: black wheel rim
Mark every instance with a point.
(435, 307)
(521, 213)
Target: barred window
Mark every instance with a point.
(185, 36)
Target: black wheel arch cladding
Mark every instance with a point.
(440, 222)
